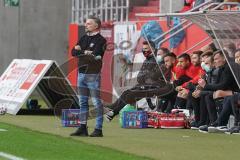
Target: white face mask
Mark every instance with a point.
(206, 67)
(159, 58)
(203, 65)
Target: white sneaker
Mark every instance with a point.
(222, 129)
(109, 116)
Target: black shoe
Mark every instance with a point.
(203, 129)
(96, 133)
(81, 131)
(234, 130)
(194, 125)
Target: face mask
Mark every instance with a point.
(146, 53)
(203, 65)
(159, 59)
(207, 68)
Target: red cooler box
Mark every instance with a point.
(173, 120)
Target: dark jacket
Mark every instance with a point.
(225, 81)
(149, 72)
(90, 64)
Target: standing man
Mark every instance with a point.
(90, 50)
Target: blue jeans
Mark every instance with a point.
(89, 85)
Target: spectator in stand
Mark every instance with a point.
(225, 82)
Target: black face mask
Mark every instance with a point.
(146, 53)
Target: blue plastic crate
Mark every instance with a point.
(135, 119)
(71, 117)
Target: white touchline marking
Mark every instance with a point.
(3, 130)
(10, 157)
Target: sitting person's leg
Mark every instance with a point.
(150, 104)
(225, 113)
(204, 118)
(236, 112)
(211, 108)
(236, 108)
(195, 102)
(132, 95)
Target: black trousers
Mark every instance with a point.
(225, 112)
(131, 96)
(204, 118)
(211, 108)
(167, 102)
(195, 103)
(236, 108)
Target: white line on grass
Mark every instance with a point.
(2, 130)
(9, 156)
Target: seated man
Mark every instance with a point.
(229, 106)
(198, 96)
(176, 78)
(225, 81)
(166, 72)
(149, 80)
(193, 71)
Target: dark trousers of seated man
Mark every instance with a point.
(211, 108)
(236, 108)
(203, 112)
(225, 112)
(131, 96)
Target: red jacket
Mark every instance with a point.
(176, 72)
(195, 73)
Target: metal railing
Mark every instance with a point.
(106, 10)
(208, 5)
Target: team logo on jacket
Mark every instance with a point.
(92, 44)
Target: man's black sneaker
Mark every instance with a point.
(194, 125)
(203, 129)
(96, 133)
(234, 130)
(81, 131)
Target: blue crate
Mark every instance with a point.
(135, 119)
(71, 117)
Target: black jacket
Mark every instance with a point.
(90, 64)
(150, 73)
(225, 81)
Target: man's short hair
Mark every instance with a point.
(199, 53)
(96, 20)
(150, 43)
(207, 53)
(218, 52)
(165, 50)
(171, 54)
(185, 56)
(213, 47)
